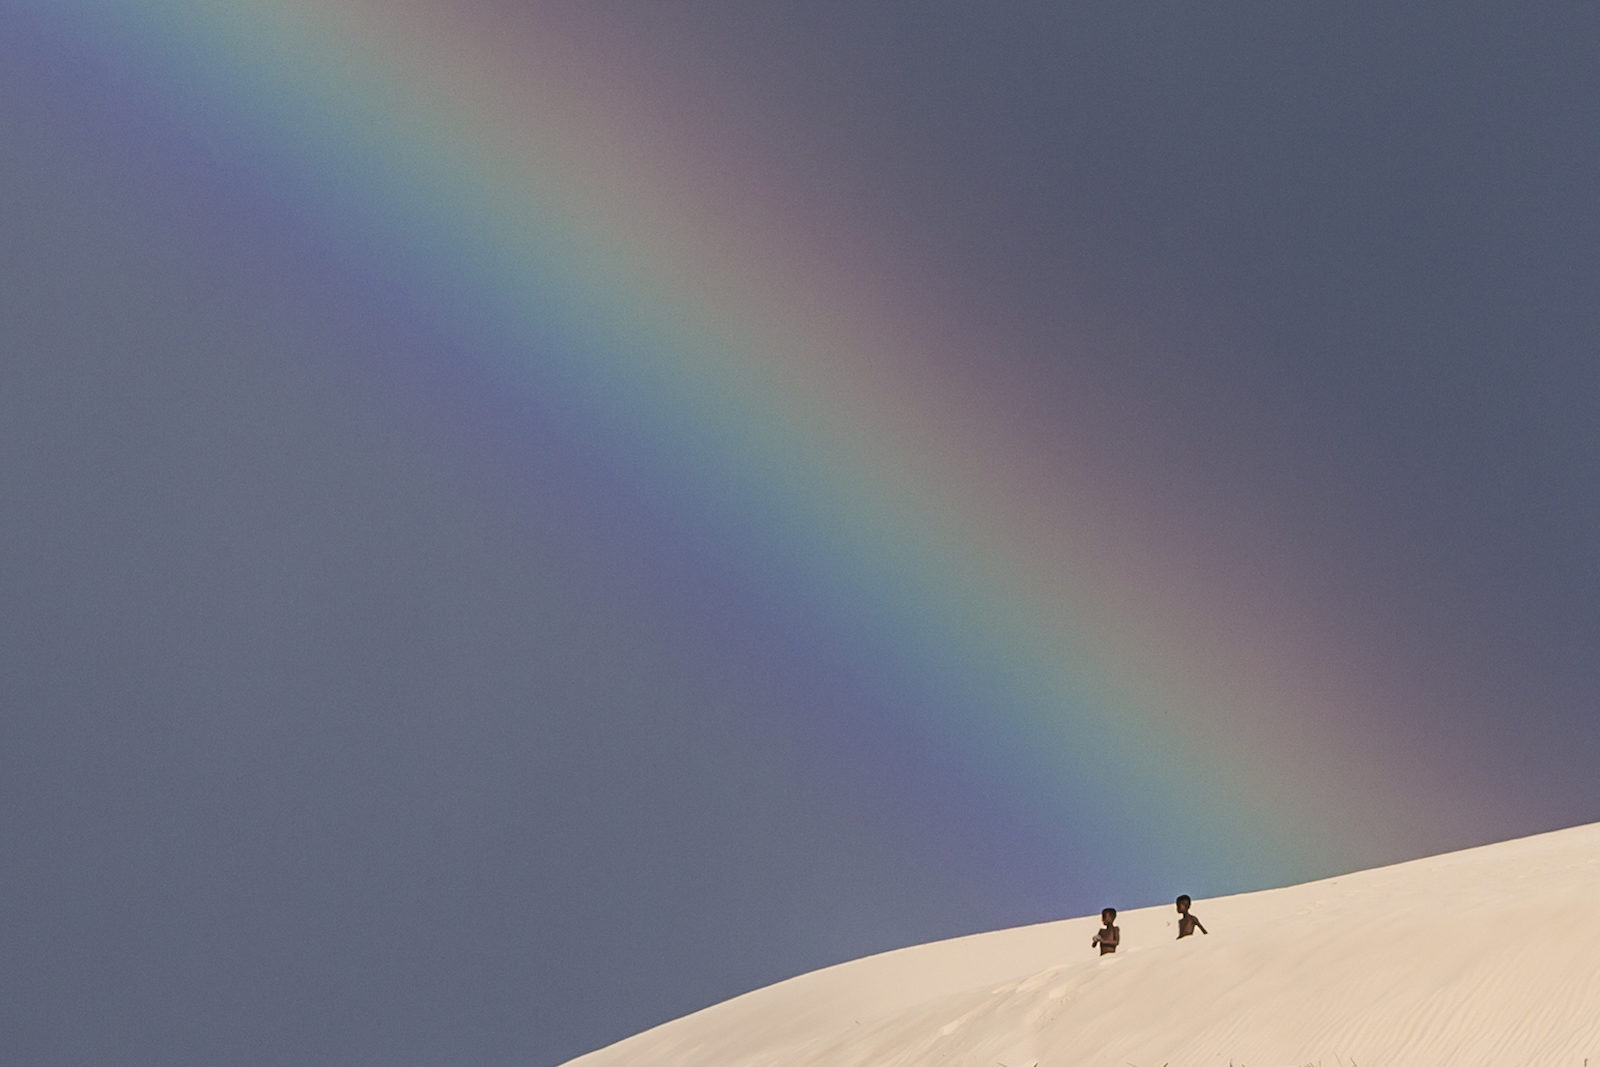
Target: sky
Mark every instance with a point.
(519, 521)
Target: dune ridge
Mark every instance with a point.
(1486, 956)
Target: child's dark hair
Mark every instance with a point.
(1108, 913)
(1184, 899)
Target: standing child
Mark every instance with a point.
(1109, 936)
(1188, 922)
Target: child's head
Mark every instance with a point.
(1183, 903)
(1108, 915)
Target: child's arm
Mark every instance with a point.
(1198, 925)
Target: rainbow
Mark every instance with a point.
(824, 442)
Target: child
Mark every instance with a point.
(1110, 937)
(1187, 923)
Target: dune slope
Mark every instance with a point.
(1488, 956)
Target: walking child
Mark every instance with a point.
(1109, 936)
(1188, 922)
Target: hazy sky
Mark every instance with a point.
(466, 599)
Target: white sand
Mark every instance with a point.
(1489, 956)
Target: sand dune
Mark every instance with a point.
(1489, 956)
